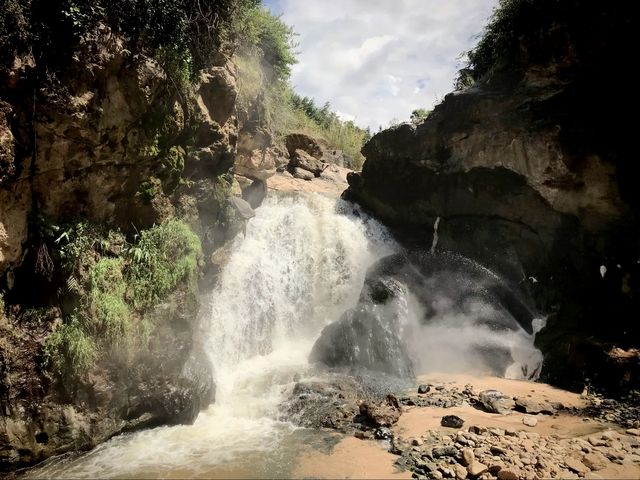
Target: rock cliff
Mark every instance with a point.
(530, 173)
(115, 146)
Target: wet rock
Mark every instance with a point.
(367, 336)
(530, 421)
(495, 401)
(452, 421)
(381, 415)
(383, 433)
(242, 207)
(423, 388)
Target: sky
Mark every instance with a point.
(376, 61)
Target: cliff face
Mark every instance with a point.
(116, 144)
(530, 173)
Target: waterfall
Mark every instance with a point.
(300, 266)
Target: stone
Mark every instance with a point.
(477, 430)
(445, 452)
(417, 442)
(507, 474)
(423, 388)
(597, 442)
(460, 471)
(495, 450)
(531, 406)
(242, 207)
(495, 401)
(595, 460)
(366, 337)
(383, 433)
(530, 421)
(303, 160)
(476, 468)
(384, 414)
(451, 421)
(302, 174)
(633, 431)
(576, 466)
(305, 143)
(468, 457)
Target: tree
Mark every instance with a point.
(419, 115)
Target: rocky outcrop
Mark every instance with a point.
(121, 147)
(518, 177)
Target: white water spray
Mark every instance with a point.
(301, 264)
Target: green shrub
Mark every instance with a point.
(70, 350)
(107, 310)
(163, 256)
(119, 283)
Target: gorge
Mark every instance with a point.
(183, 294)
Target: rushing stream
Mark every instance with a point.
(301, 264)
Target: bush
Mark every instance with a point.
(164, 256)
(107, 311)
(118, 284)
(70, 350)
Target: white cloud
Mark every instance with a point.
(380, 59)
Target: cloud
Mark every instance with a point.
(377, 60)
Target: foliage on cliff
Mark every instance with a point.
(523, 34)
(116, 284)
(183, 35)
(266, 54)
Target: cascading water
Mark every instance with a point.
(301, 264)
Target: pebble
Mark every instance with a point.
(476, 468)
(507, 474)
(530, 421)
(423, 388)
(633, 431)
(468, 457)
(460, 471)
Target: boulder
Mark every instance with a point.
(531, 406)
(383, 414)
(301, 159)
(300, 141)
(367, 336)
(242, 207)
(256, 164)
(495, 401)
(302, 174)
(255, 193)
(451, 421)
